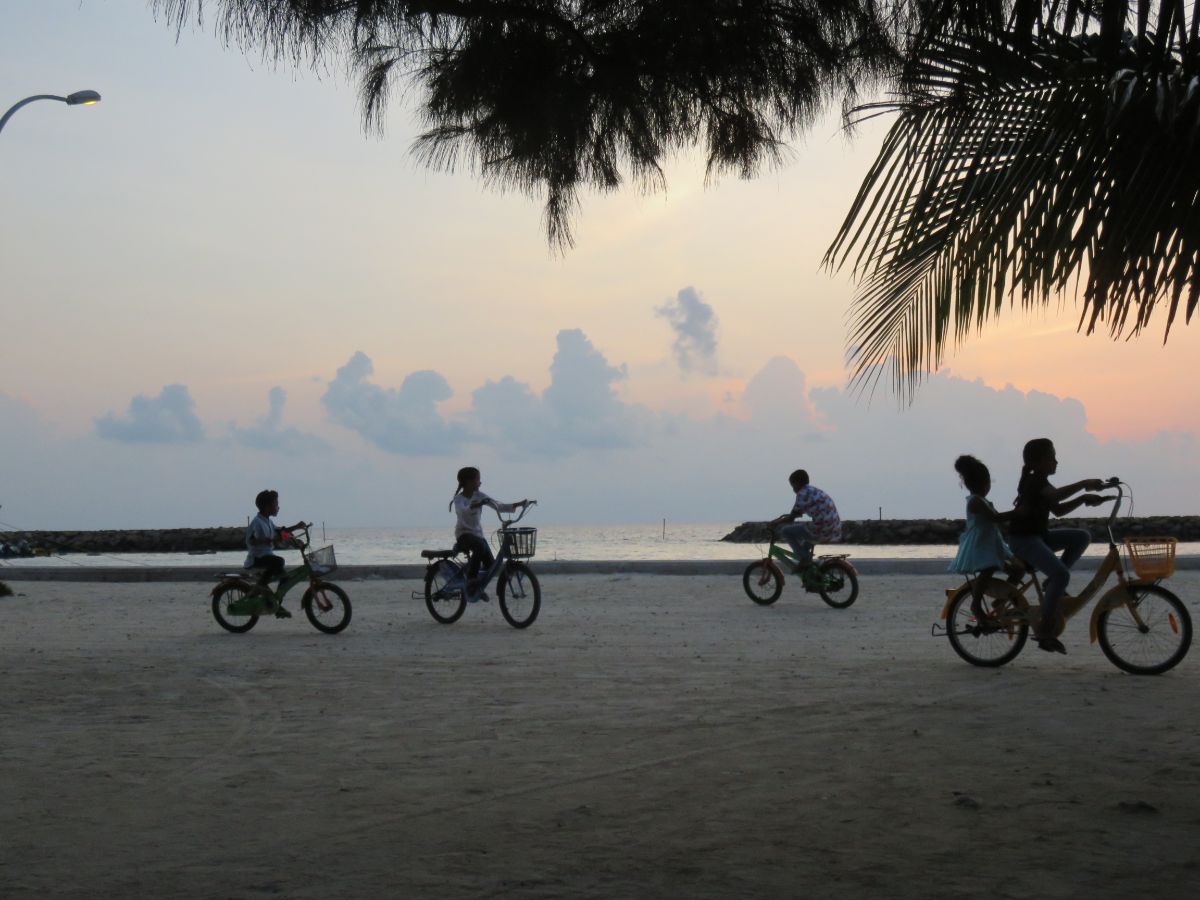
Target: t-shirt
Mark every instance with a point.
(818, 506)
(1032, 513)
(260, 527)
(466, 520)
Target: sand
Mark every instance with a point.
(650, 736)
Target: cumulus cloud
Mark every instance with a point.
(405, 421)
(579, 410)
(268, 433)
(695, 327)
(168, 418)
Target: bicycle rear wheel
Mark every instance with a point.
(444, 591)
(228, 605)
(1153, 642)
(839, 584)
(995, 640)
(519, 594)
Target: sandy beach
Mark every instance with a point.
(649, 736)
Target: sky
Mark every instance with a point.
(214, 282)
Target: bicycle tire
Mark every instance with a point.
(331, 620)
(762, 582)
(1167, 630)
(836, 574)
(446, 608)
(1002, 645)
(520, 595)
(224, 595)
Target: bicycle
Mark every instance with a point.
(240, 599)
(517, 588)
(831, 576)
(1142, 627)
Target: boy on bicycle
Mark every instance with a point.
(261, 536)
(825, 527)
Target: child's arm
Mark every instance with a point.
(1058, 495)
(977, 506)
(1061, 509)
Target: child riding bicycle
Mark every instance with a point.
(467, 503)
(261, 537)
(825, 526)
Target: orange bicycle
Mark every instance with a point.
(1142, 627)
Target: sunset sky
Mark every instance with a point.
(214, 282)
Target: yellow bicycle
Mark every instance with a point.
(1142, 627)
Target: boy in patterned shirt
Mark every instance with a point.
(825, 527)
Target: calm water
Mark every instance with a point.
(392, 546)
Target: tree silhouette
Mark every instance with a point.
(1036, 146)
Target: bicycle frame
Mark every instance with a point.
(777, 551)
(1069, 606)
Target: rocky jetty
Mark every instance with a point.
(166, 540)
(946, 531)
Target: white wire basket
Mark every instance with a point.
(322, 561)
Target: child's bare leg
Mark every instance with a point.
(977, 588)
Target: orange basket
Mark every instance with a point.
(1151, 557)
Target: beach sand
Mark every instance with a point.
(649, 736)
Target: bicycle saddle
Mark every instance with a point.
(438, 554)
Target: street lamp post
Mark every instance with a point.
(79, 98)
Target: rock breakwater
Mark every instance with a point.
(946, 531)
(159, 540)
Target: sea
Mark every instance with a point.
(646, 541)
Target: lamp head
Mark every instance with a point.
(83, 98)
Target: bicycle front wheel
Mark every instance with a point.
(1145, 631)
(839, 583)
(444, 586)
(992, 641)
(327, 607)
(520, 595)
(762, 582)
(228, 605)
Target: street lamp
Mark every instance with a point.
(79, 98)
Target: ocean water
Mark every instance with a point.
(396, 546)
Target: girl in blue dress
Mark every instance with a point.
(981, 548)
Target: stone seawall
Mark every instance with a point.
(164, 540)
(946, 531)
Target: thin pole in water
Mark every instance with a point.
(664, 529)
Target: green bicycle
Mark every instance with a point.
(831, 576)
(239, 600)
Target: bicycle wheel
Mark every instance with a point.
(839, 583)
(520, 595)
(226, 598)
(444, 598)
(1155, 645)
(327, 607)
(762, 582)
(993, 642)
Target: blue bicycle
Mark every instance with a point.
(517, 588)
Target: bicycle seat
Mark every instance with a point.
(438, 554)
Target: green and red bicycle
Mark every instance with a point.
(241, 598)
(832, 576)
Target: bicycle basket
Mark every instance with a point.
(322, 561)
(522, 542)
(1151, 557)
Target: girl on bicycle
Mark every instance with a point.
(1031, 537)
(981, 547)
(468, 503)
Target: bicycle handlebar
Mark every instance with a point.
(508, 523)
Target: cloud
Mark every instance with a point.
(166, 419)
(404, 421)
(579, 410)
(267, 434)
(695, 327)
